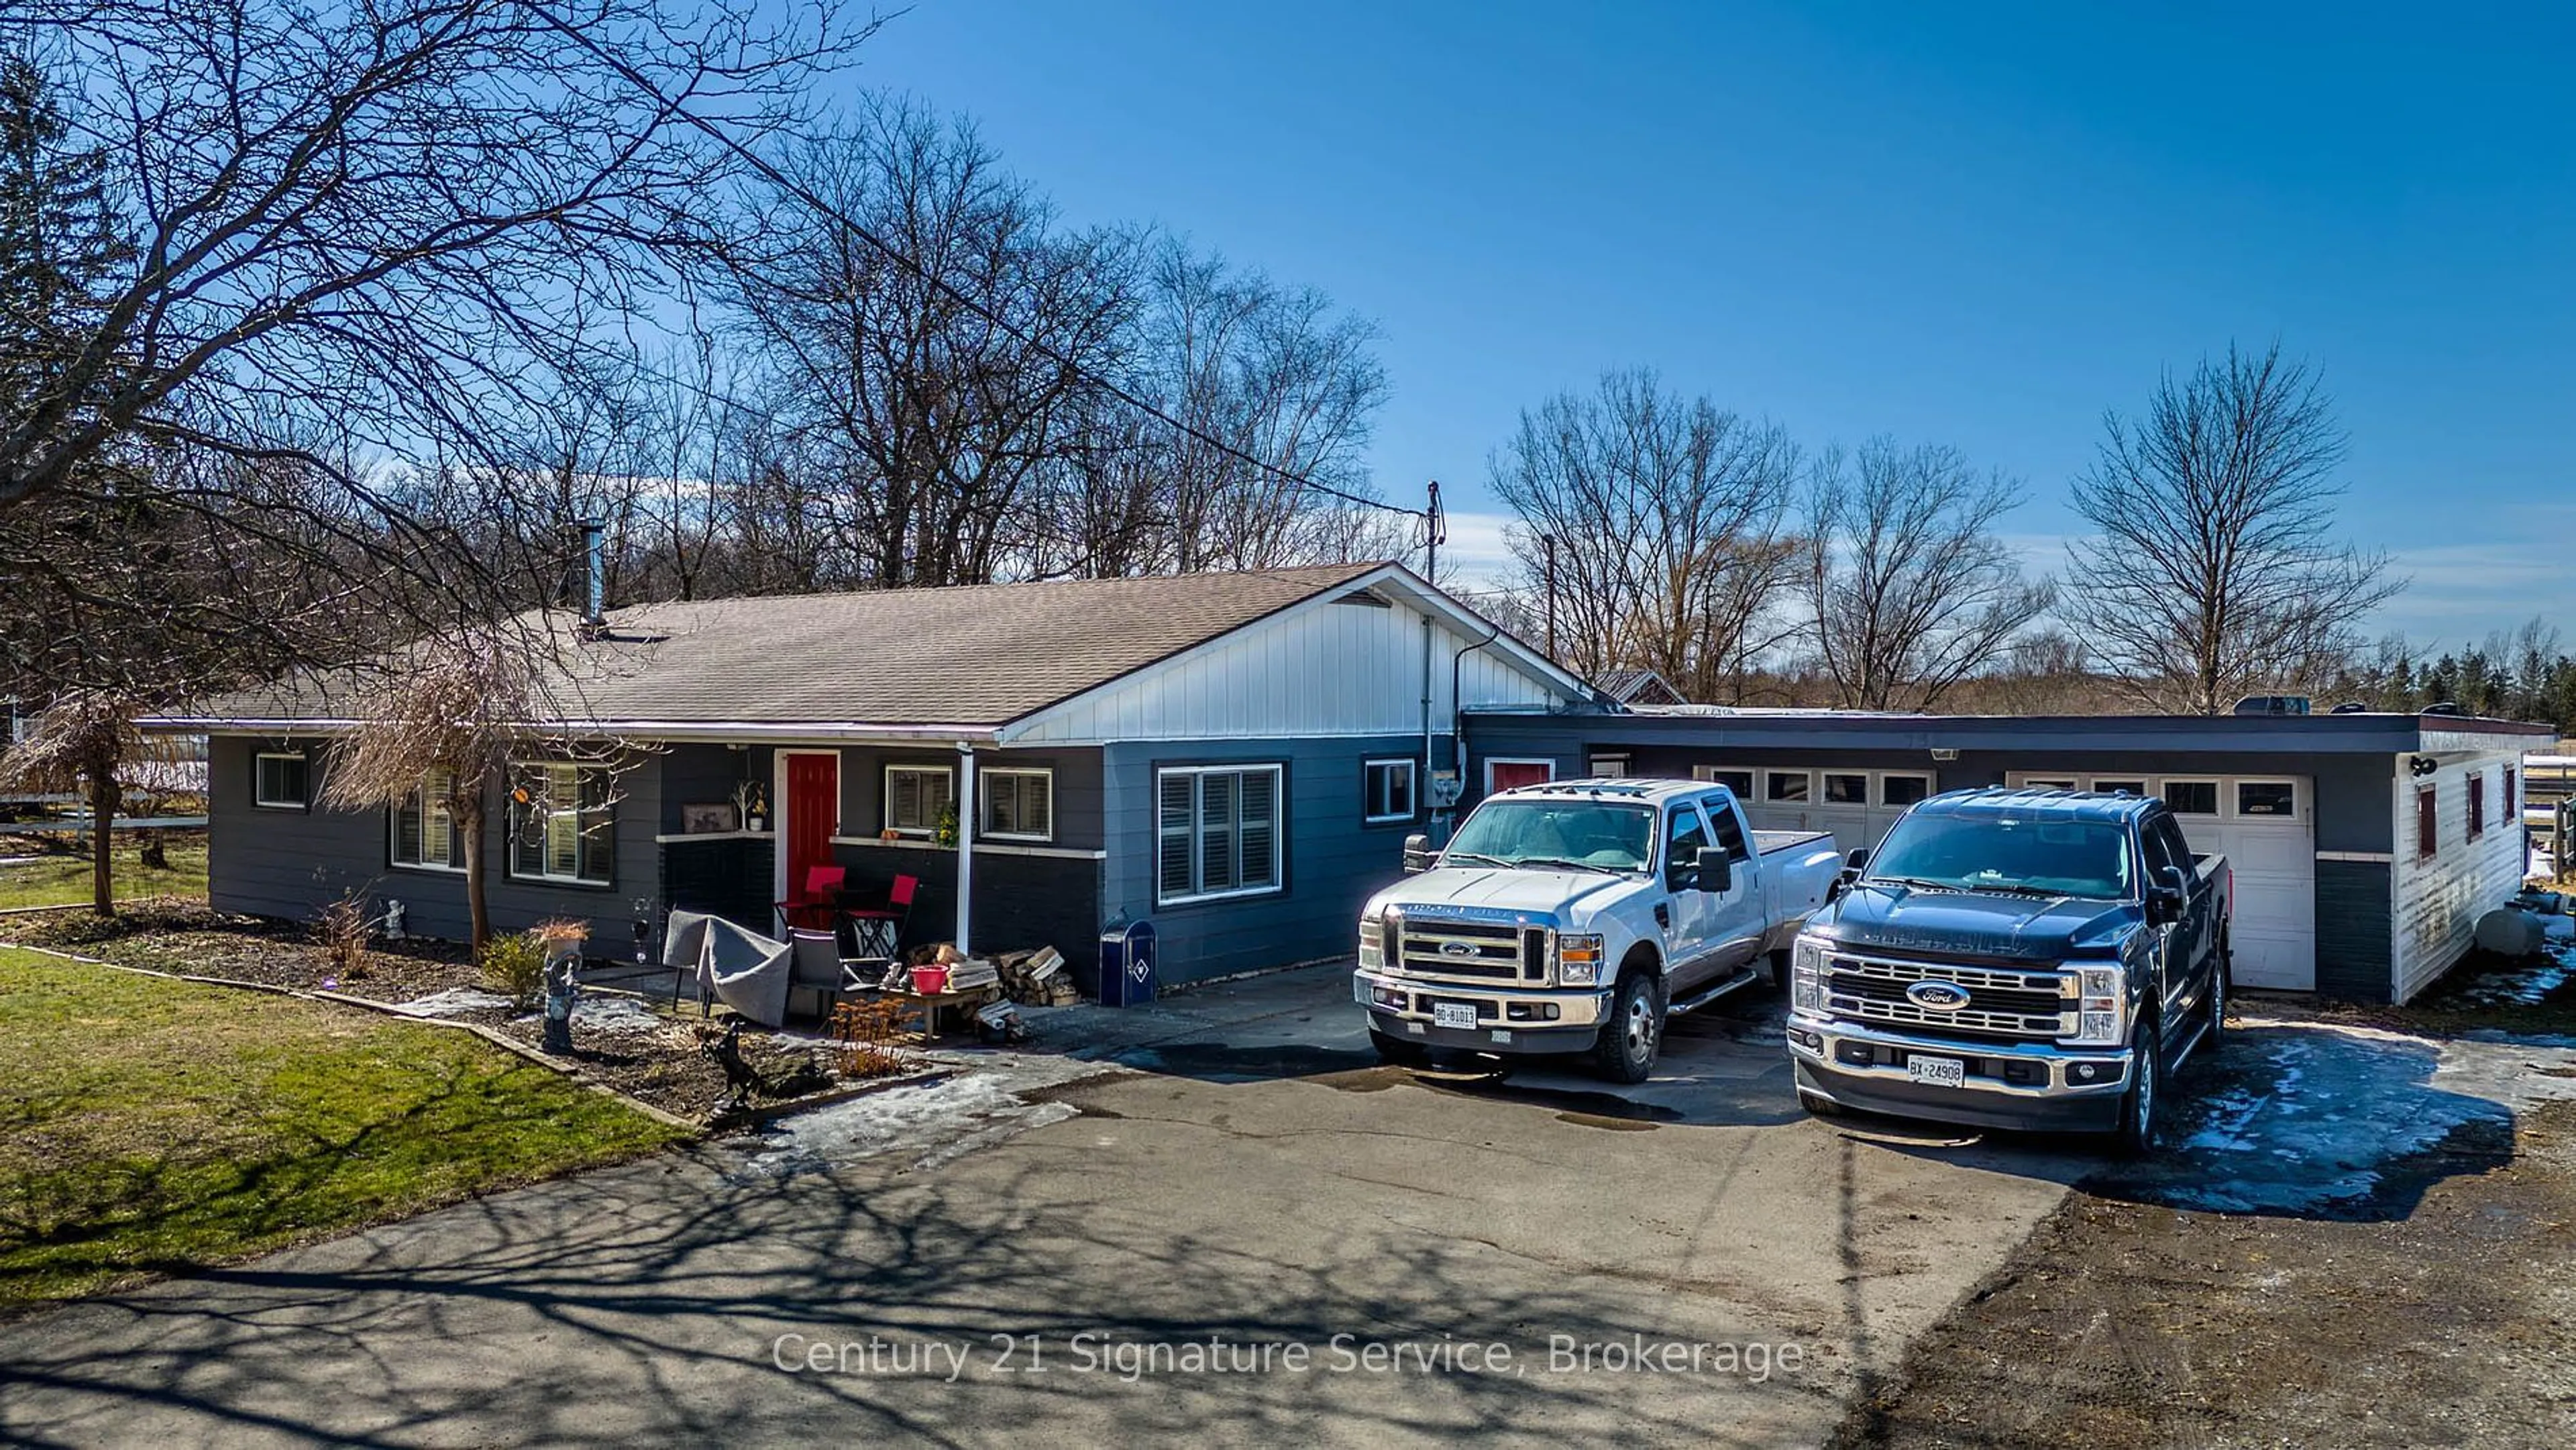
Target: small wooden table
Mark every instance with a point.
(930, 1003)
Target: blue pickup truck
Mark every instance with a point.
(2034, 959)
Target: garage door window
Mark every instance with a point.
(2266, 798)
(1738, 781)
(1846, 790)
(1785, 785)
(2192, 797)
(2119, 787)
(1903, 790)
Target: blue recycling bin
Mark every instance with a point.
(1127, 965)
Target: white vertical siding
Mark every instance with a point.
(2436, 901)
(1317, 670)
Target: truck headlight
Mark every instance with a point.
(1807, 974)
(1578, 959)
(2102, 1007)
(1377, 935)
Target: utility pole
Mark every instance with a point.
(1435, 532)
(1549, 540)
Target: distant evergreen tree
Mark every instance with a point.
(59, 244)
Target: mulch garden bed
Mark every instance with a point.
(653, 1052)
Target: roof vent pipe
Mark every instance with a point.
(594, 568)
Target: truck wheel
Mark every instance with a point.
(1625, 1050)
(2140, 1107)
(2217, 1003)
(1396, 1051)
(1820, 1107)
(1780, 970)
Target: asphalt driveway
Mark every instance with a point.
(1222, 1216)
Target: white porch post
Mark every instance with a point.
(965, 843)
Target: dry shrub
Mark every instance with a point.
(514, 966)
(343, 927)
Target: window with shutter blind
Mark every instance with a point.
(1217, 831)
(425, 837)
(563, 823)
(916, 796)
(1016, 804)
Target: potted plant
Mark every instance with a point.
(749, 804)
(945, 830)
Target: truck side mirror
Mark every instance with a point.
(1716, 870)
(1855, 862)
(2165, 899)
(1417, 854)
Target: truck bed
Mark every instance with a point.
(1766, 842)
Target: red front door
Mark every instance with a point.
(1505, 774)
(813, 814)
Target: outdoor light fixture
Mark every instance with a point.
(2422, 765)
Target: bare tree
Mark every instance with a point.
(440, 724)
(82, 742)
(2213, 570)
(1668, 519)
(1908, 589)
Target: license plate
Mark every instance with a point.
(1453, 1014)
(1937, 1071)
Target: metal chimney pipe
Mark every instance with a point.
(594, 550)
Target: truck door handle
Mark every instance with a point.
(1663, 915)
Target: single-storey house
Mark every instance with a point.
(1235, 758)
(2365, 846)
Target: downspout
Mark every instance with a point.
(1426, 697)
(1458, 709)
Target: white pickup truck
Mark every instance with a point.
(1577, 916)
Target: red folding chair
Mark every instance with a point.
(877, 931)
(811, 903)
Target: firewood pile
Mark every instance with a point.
(1036, 978)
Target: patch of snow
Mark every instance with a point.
(2525, 985)
(455, 1002)
(979, 1105)
(608, 1016)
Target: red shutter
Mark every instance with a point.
(2428, 824)
(2477, 805)
(2506, 808)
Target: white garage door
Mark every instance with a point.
(2266, 827)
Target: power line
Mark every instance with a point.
(948, 289)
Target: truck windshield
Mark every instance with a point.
(1580, 833)
(1994, 852)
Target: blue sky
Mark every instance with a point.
(1973, 226)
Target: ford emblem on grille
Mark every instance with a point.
(1937, 996)
(1457, 949)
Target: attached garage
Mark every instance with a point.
(2317, 815)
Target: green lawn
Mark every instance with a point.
(64, 880)
(151, 1127)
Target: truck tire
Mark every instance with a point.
(2217, 1003)
(1396, 1051)
(1780, 970)
(1819, 1107)
(1625, 1050)
(2142, 1107)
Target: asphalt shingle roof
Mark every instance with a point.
(971, 655)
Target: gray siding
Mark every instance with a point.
(1332, 863)
(290, 864)
(2353, 930)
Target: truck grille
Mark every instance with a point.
(1465, 951)
(2002, 1002)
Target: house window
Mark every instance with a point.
(1609, 767)
(1386, 791)
(1017, 805)
(2428, 825)
(279, 780)
(1903, 790)
(2192, 797)
(425, 834)
(1846, 790)
(2477, 804)
(1785, 785)
(1738, 781)
(563, 823)
(1217, 830)
(916, 796)
(2506, 806)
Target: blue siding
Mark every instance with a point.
(1332, 862)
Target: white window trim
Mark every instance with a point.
(1878, 789)
(1278, 773)
(2217, 793)
(552, 878)
(2234, 804)
(984, 802)
(393, 838)
(2103, 783)
(1546, 762)
(1412, 790)
(1708, 775)
(1868, 790)
(885, 804)
(1809, 799)
(263, 803)
(1592, 765)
